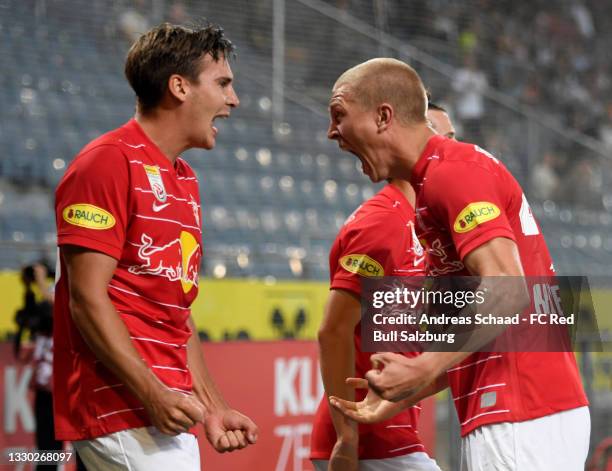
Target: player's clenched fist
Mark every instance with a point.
(395, 377)
(229, 430)
(173, 412)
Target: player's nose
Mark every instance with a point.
(332, 131)
(232, 99)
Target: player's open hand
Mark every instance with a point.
(396, 377)
(229, 430)
(371, 409)
(173, 412)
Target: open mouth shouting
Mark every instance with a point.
(366, 168)
(220, 116)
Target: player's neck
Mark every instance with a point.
(163, 130)
(406, 188)
(408, 149)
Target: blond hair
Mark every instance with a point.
(385, 80)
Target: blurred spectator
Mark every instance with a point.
(410, 20)
(470, 83)
(582, 186)
(544, 180)
(258, 24)
(177, 14)
(583, 19)
(605, 130)
(133, 21)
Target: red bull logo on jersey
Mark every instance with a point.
(440, 261)
(361, 264)
(474, 214)
(88, 216)
(178, 260)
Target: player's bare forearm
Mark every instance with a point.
(203, 385)
(337, 363)
(439, 384)
(226, 429)
(337, 354)
(502, 296)
(498, 264)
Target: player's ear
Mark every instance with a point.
(178, 86)
(384, 116)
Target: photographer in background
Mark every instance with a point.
(36, 317)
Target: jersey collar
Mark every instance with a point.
(150, 148)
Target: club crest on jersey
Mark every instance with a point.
(474, 214)
(417, 248)
(156, 182)
(88, 216)
(363, 265)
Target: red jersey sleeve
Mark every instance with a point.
(469, 200)
(91, 201)
(370, 247)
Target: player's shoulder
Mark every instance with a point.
(388, 201)
(457, 153)
(386, 206)
(108, 149)
(385, 212)
(462, 160)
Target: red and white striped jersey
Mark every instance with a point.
(122, 197)
(378, 239)
(465, 198)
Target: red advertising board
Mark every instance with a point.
(277, 384)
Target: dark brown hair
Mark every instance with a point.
(434, 106)
(170, 49)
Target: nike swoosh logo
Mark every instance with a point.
(418, 261)
(157, 209)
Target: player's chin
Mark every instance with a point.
(370, 172)
(208, 143)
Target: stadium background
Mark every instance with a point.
(528, 81)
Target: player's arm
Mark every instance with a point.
(337, 357)
(226, 429)
(93, 313)
(405, 381)
(498, 257)
(203, 386)
(402, 377)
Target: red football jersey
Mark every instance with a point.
(378, 239)
(466, 197)
(121, 196)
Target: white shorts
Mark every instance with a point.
(555, 442)
(140, 449)
(418, 461)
